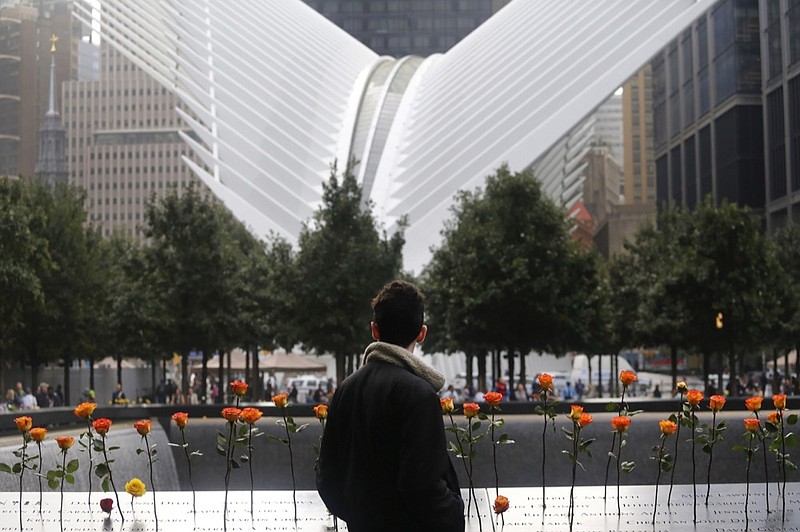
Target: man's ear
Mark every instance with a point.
(376, 335)
(423, 332)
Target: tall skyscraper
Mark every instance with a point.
(637, 111)
(707, 110)
(124, 145)
(780, 59)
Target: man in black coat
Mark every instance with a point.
(383, 462)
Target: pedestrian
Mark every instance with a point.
(400, 477)
(118, 397)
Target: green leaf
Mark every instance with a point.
(16, 468)
(113, 448)
(244, 458)
(235, 464)
(139, 451)
(791, 419)
(476, 426)
(222, 450)
(101, 470)
(482, 416)
(70, 479)
(106, 484)
(5, 468)
(52, 483)
(791, 439)
(612, 407)
(72, 466)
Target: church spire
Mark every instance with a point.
(51, 163)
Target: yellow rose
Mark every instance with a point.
(84, 410)
(38, 434)
(135, 487)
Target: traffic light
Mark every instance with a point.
(719, 320)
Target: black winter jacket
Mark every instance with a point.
(384, 464)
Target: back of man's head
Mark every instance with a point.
(398, 312)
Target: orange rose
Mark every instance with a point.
(84, 410)
(546, 381)
(500, 504)
(142, 427)
(65, 442)
(38, 434)
(101, 425)
(620, 423)
(231, 413)
(627, 377)
(773, 417)
(493, 398)
(447, 405)
(471, 410)
(716, 402)
(667, 427)
(753, 404)
(281, 400)
(575, 412)
(24, 423)
(693, 397)
(181, 419)
(751, 424)
(584, 420)
(239, 388)
(251, 415)
(779, 400)
(321, 411)
(681, 387)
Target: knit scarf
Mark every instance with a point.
(399, 356)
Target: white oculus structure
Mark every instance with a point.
(275, 93)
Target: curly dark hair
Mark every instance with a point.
(398, 312)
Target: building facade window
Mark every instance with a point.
(776, 145)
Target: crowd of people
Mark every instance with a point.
(23, 398)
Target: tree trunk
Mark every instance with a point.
(340, 368)
(228, 367)
(258, 384)
(91, 372)
(203, 399)
(523, 370)
(511, 356)
(153, 378)
(589, 363)
(247, 373)
(185, 374)
(612, 389)
(221, 378)
(599, 375)
(720, 371)
(775, 380)
(495, 368)
(470, 378)
(482, 372)
(733, 381)
(119, 368)
(673, 362)
(706, 370)
(67, 364)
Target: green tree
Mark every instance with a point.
(508, 276)
(342, 262)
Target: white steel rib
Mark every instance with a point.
(276, 93)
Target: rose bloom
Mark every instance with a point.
(751, 424)
(500, 504)
(753, 404)
(239, 388)
(493, 398)
(38, 434)
(135, 487)
(281, 400)
(620, 423)
(231, 413)
(107, 505)
(681, 387)
(716, 402)
(84, 410)
(584, 420)
(101, 425)
(65, 442)
(773, 417)
(627, 377)
(667, 427)
(447, 405)
(546, 381)
(693, 397)
(471, 410)
(251, 415)
(779, 400)
(24, 423)
(181, 419)
(321, 411)
(575, 412)
(143, 427)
